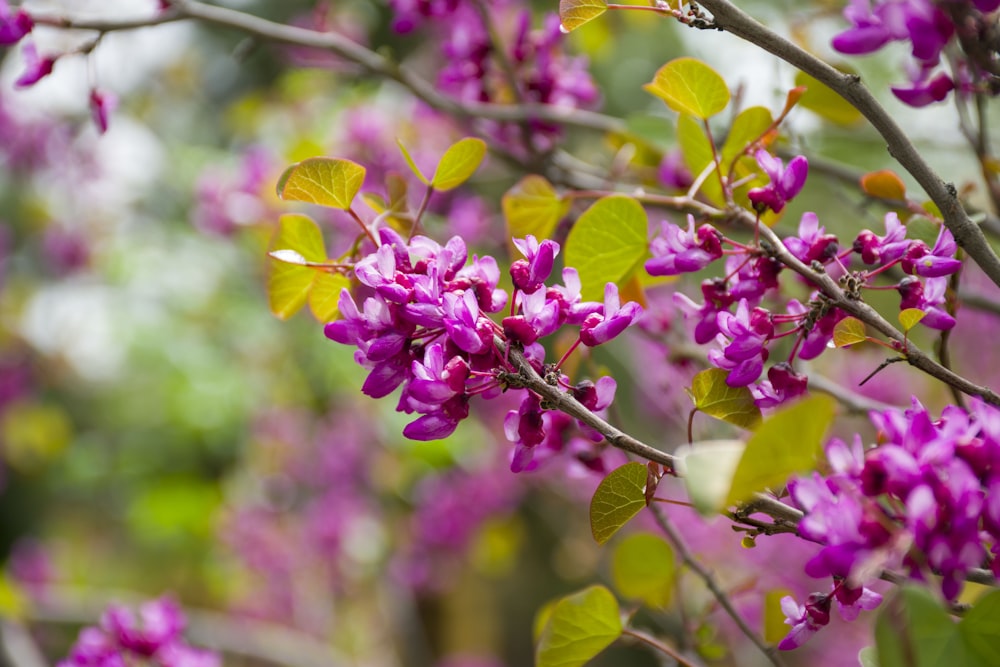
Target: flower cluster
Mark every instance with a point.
(928, 26)
(122, 639)
(425, 328)
(924, 499)
(743, 336)
(531, 68)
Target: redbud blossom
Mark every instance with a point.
(13, 27)
(786, 182)
(36, 68)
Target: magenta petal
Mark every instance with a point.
(858, 41)
(433, 426)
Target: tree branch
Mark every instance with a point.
(968, 235)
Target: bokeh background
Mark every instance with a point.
(161, 431)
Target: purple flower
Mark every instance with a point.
(13, 27)
(883, 249)
(936, 262)
(572, 309)
(530, 274)
(783, 384)
(35, 67)
(924, 92)
(599, 328)
(101, 106)
(160, 623)
(926, 297)
(717, 299)
(812, 244)
(676, 251)
(786, 182)
(744, 337)
(806, 620)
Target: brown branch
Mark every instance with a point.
(967, 234)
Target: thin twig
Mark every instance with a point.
(692, 563)
(659, 646)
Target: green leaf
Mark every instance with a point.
(696, 149)
(707, 468)
(607, 243)
(534, 207)
(574, 13)
(413, 165)
(775, 627)
(324, 181)
(849, 331)
(324, 295)
(913, 630)
(788, 442)
(821, 100)
(458, 163)
(980, 630)
(746, 128)
(619, 497)
(715, 398)
(910, 317)
(288, 284)
(689, 86)
(642, 568)
(581, 626)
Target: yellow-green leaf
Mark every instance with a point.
(823, 101)
(849, 331)
(910, 317)
(413, 165)
(574, 13)
(707, 469)
(715, 398)
(788, 442)
(534, 207)
(324, 181)
(580, 626)
(458, 163)
(884, 184)
(642, 568)
(607, 243)
(619, 497)
(691, 87)
(748, 127)
(288, 284)
(324, 295)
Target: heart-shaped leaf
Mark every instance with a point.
(580, 626)
(619, 497)
(715, 398)
(689, 86)
(325, 181)
(607, 243)
(574, 13)
(458, 163)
